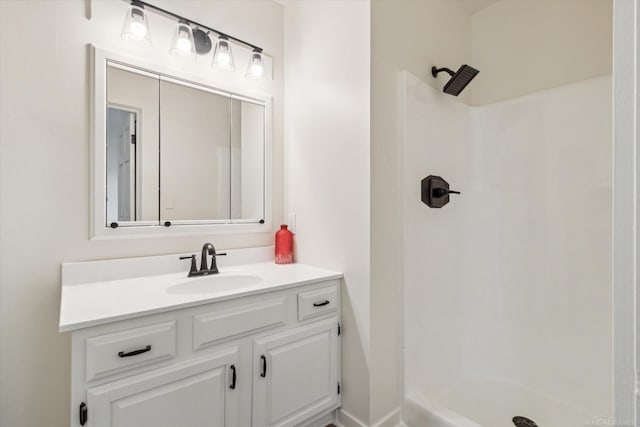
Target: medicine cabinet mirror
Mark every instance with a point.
(172, 153)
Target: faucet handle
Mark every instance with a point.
(193, 269)
(220, 254)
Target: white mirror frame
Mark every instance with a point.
(98, 184)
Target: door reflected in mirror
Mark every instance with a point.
(181, 153)
(121, 165)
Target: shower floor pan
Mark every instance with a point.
(485, 402)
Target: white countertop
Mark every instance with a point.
(99, 292)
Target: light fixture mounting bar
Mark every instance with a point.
(168, 14)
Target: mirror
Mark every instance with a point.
(179, 153)
(121, 165)
(195, 177)
(132, 144)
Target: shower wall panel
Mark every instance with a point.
(511, 281)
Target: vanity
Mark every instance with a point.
(157, 342)
(256, 345)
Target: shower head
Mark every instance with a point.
(459, 80)
(523, 422)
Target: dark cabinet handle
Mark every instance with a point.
(233, 377)
(263, 374)
(83, 414)
(320, 304)
(134, 352)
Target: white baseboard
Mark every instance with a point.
(345, 419)
(321, 421)
(392, 419)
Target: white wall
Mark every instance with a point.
(512, 280)
(524, 46)
(437, 133)
(44, 158)
(328, 162)
(411, 35)
(626, 216)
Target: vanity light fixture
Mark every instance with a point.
(183, 44)
(202, 41)
(136, 28)
(222, 55)
(255, 69)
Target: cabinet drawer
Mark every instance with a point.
(120, 351)
(317, 302)
(209, 328)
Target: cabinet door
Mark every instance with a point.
(197, 393)
(295, 375)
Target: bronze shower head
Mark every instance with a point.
(459, 80)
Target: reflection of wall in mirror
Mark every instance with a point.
(252, 164)
(247, 160)
(236, 159)
(138, 92)
(195, 154)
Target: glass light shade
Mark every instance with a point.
(136, 26)
(222, 55)
(255, 69)
(183, 44)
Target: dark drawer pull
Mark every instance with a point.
(233, 377)
(263, 374)
(320, 304)
(134, 352)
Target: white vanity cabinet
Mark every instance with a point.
(297, 376)
(266, 359)
(194, 393)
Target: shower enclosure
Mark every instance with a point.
(507, 288)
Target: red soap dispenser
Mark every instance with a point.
(284, 245)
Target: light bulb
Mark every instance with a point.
(224, 59)
(255, 69)
(222, 56)
(136, 27)
(182, 44)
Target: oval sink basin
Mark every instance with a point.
(214, 283)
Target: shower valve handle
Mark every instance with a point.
(434, 191)
(441, 192)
